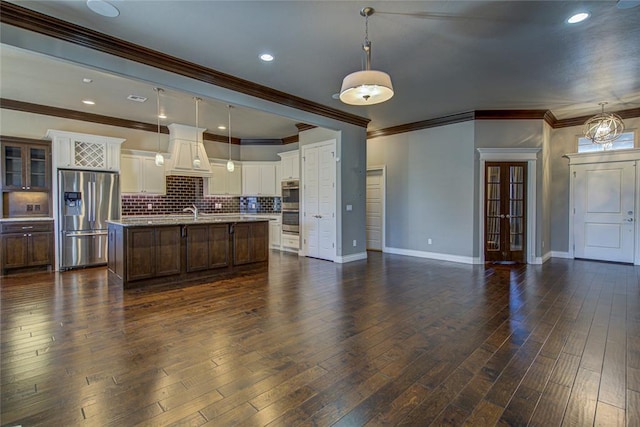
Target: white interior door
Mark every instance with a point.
(375, 191)
(311, 202)
(604, 200)
(318, 199)
(326, 197)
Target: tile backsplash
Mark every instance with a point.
(183, 191)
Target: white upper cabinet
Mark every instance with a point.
(259, 179)
(223, 182)
(73, 150)
(139, 174)
(290, 164)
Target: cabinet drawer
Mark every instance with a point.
(26, 227)
(290, 241)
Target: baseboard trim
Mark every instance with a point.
(350, 258)
(433, 255)
(559, 254)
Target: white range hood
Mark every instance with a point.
(184, 143)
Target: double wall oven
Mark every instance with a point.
(291, 206)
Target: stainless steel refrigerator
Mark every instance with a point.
(87, 201)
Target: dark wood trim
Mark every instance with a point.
(510, 114)
(17, 16)
(290, 139)
(28, 107)
(303, 126)
(206, 136)
(579, 121)
(423, 124)
(261, 141)
(20, 140)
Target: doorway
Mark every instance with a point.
(505, 207)
(375, 209)
(604, 200)
(319, 200)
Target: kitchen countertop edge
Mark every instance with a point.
(176, 220)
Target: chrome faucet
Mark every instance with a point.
(193, 209)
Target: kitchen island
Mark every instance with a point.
(173, 249)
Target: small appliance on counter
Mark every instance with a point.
(87, 201)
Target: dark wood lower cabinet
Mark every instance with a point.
(250, 242)
(26, 245)
(207, 246)
(167, 251)
(145, 254)
(152, 252)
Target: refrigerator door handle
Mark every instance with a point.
(84, 233)
(93, 201)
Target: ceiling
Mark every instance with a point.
(444, 57)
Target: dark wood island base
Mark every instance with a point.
(166, 251)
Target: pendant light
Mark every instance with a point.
(366, 87)
(159, 156)
(604, 128)
(196, 159)
(230, 165)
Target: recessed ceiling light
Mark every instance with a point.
(88, 102)
(103, 8)
(578, 17)
(136, 98)
(222, 127)
(628, 4)
(87, 80)
(266, 57)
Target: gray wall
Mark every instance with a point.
(350, 183)
(565, 141)
(429, 188)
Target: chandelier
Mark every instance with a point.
(366, 87)
(603, 128)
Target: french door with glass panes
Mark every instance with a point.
(504, 219)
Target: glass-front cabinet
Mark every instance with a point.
(25, 166)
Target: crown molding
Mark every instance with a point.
(303, 126)
(545, 115)
(46, 110)
(579, 121)
(17, 16)
(423, 124)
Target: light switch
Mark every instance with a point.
(349, 207)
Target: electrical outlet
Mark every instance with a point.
(429, 241)
(29, 208)
(349, 208)
(218, 205)
(355, 243)
(37, 208)
(253, 205)
(149, 206)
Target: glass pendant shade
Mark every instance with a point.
(196, 160)
(366, 87)
(230, 166)
(604, 128)
(159, 156)
(159, 159)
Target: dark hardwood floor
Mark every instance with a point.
(388, 341)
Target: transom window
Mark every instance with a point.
(625, 142)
